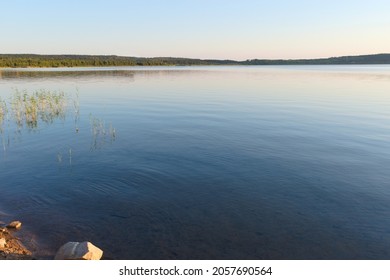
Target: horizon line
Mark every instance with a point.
(180, 57)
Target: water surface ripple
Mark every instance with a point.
(208, 162)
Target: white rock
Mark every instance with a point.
(2, 242)
(14, 224)
(79, 251)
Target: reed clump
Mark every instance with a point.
(101, 133)
(3, 113)
(44, 105)
(3, 117)
(24, 109)
(27, 110)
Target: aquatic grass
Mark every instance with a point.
(112, 132)
(25, 109)
(28, 110)
(70, 156)
(3, 117)
(59, 158)
(3, 113)
(100, 134)
(76, 108)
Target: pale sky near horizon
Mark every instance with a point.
(221, 29)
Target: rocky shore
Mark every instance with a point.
(11, 248)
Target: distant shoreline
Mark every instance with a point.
(70, 61)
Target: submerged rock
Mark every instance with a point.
(14, 224)
(79, 251)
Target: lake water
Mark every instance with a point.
(278, 162)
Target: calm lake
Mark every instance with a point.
(272, 162)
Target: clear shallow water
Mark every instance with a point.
(207, 163)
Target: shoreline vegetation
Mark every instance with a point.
(25, 110)
(53, 61)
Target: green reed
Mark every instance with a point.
(3, 112)
(3, 117)
(100, 133)
(27, 109)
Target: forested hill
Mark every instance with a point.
(358, 59)
(34, 60)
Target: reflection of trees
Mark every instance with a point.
(11, 74)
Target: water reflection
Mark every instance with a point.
(223, 163)
(62, 73)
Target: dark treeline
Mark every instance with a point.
(358, 59)
(34, 60)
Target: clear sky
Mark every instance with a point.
(231, 29)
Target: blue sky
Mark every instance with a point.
(239, 29)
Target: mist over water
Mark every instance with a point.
(281, 162)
